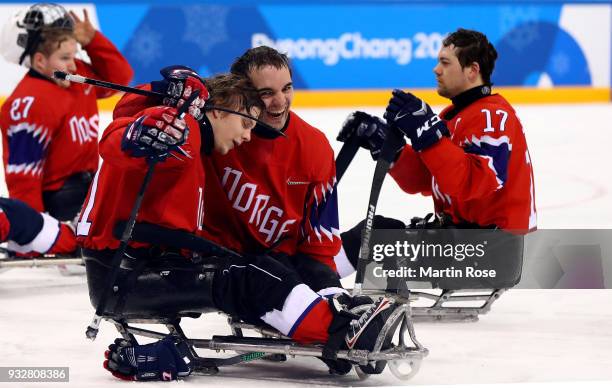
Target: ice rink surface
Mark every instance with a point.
(530, 336)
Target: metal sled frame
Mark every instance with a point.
(442, 311)
(467, 304)
(6, 261)
(404, 360)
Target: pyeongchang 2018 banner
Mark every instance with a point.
(369, 46)
(361, 45)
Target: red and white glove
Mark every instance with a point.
(155, 134)
(179, 83)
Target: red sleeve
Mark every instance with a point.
(459, 174)
(27, 188)
(110, 147)
(321, 230)
(474, 164)
(26, 144)
(107, 64)
(130, 103)
(410, 172)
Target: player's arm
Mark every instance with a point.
(473, 171)
(321, 235)
(156, 132)
(107, 63)
(131, 104)
(144, 129)
(27, 230)
(29, 125)
(410, 173)
(178, 83)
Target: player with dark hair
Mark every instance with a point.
(50, 126)
(277, 195)
(472, 158)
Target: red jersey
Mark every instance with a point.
(173, 198)
(275, 193)
(50, 133)
(482, 174)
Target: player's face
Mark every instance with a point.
(62, 59)
(231, 130)
(452, 79)
(275, 89)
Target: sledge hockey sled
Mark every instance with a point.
(166, 291)
(441, 299)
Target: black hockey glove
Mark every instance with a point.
(415, 118)
(178, 84)
(155, 134)
(161, 360)
(371, 131)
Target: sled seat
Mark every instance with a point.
(163, 289)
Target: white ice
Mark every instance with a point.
(530, 336)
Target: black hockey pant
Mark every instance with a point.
(245, 288)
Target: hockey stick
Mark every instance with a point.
(92, 329)
(150, 93)
(345, 156)
(159, 235)
(387, 154)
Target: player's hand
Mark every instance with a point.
(415, 118)
(178, 84)
(84, 31)
(155, 134)
(370, 130)
(160, 360)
